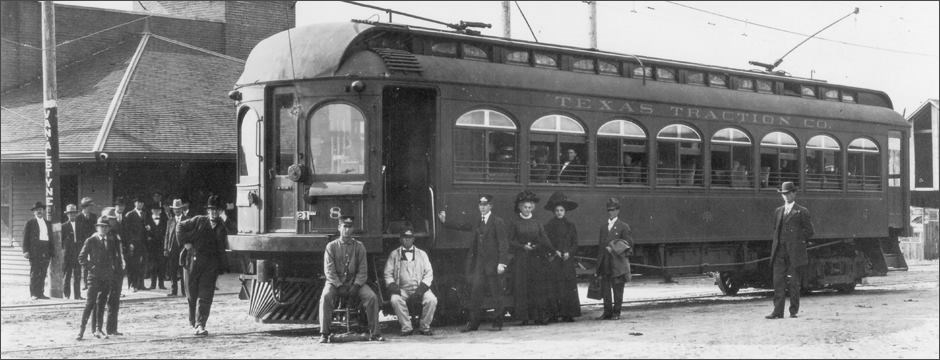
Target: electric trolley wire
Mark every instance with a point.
(800, 34)
(526, 21)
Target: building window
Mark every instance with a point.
(731, 159)
(680, 156)
(864, 165)
(778, 160)
(248, 140)
(823, 164)
(622, 154)
(336, 140)
(485, 147)
(894, 159)
(558, 147)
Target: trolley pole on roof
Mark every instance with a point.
(51, 131)
(507, 20)
(592, 19)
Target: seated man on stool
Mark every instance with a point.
(409, 275)
(346, 270)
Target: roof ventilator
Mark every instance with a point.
(397, 60)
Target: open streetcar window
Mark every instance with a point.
(621, 154)
(336, 141)
(823, 163)
(485, 147)
(778, 160)
(731, 159)
(680, 156)
(864, 165)
(248, 162)
(557, 146)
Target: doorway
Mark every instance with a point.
(408, 119)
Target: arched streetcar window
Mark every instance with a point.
(864, 165)
(336, 141)
(485, 147)
(731, 159)
(778, 160)
(679, 149)
(558, 151)
(823, 163)
(622, 153)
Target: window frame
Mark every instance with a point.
(306, 151)
(735, 180)
(763, 179)
(624, 177)
(489, 173)
(865, 179)
(559, 137)
(695, 178)
(819, 175)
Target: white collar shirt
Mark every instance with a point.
(486, 218)
(610, 223)
(787, 207)
(43, 231)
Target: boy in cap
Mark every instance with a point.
(614, 245)
(793, 227)
(408, 274)
(346, 271)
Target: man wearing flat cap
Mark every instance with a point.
(614, 245)
(408, 274)
(203, 237)
(37, 247)
(346, 271)
(72, 244)
(793, 227)
(486, 260)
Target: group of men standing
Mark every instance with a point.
(100, 251)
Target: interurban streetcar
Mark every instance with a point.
(393, 123)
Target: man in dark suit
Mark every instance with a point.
(614, 245)
(172, 247)
(135, 241)
(37, 247)
(486, 260)
(793, 227)
(571, 169)
(86, 222)
(203, 237)
(155, 236)
(72, 244)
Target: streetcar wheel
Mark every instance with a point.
(727, 283)
(845, 288)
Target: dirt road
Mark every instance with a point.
(886, 317)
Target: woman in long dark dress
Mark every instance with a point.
(530, 267)
(564, 238)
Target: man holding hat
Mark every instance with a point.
(172, 246)
(101, 255)
(37, 247)
(793, 227)
(72, 243)
(203, 237)
(486, 260)
(614, 245)
(408, 274)
(346, 271)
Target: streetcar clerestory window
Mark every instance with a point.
(584, 65)
(664, 74)
(864, 165)
(823, 164)
(517, 57)
(695, 78)
(444, 48)
(485, 147)
(679, 150)
(718, 80)
(546, 60)
(607, 67)
(765, 86)
(474, 52)
(638, 71)
(745, 84)
(622, 154)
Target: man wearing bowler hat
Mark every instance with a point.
(86, 222)
(172, 247)
(486, 260)
(72, 243)
(793, 227)
(37, 247)
(203, 237)
(346, 272)
(613, 266)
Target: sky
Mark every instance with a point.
(892, 46)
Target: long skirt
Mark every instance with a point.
(532, 288)
(567, 302)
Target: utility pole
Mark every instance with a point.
(592, 18)
(507, 20)
(51, 130)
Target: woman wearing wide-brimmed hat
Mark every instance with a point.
(532, 253)
(564, 237)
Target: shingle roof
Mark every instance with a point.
(85, 90)
(174, 103)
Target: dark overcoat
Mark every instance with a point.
(490, 245)
(791, 232)
(31, 241)
(620, 240)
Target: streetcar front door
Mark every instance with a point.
(408, 118)
(281, 153)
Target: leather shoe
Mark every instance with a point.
(79, 298)
(43, 297)
(324, 338)
(81, 334)
(376, 337)
(162, 287)
(773, 316)
(100, 335)
(34, 298)
(407, 333)
(793, 316)
(201, 331)
(172, 294)
(568, 319)
(426, 332)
